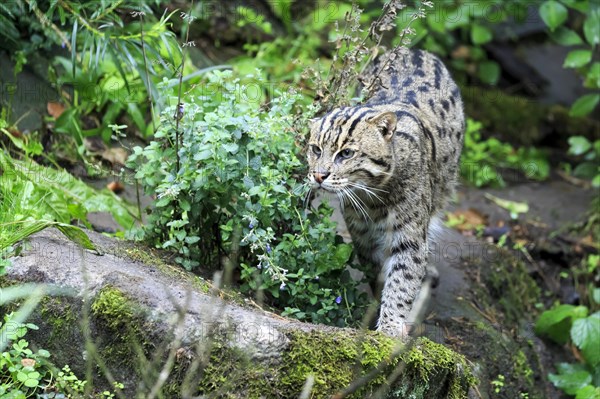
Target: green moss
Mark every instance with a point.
(508, 291)
(504, 295)
(522, 120)
(115, 312)
(335, 360)
(431, 364)
(522, 369)
(515, 118)
(60, 315)
(232, 374)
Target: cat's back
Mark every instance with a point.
(416, 84)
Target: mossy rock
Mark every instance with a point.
(524, 121)
(156, 330)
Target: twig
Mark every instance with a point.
(179, 110)
(148, 88)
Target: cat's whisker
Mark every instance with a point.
(367, 190)
(359, 206)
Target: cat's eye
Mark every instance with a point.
(316, 150)
(346, 153)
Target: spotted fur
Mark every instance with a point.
(393, 163)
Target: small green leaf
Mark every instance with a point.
(31, 383)
(596, 183)
(588, 392)
(489, 72)
(585, 333)
(553, 14)
(571, 382)
(231, 148)
(591, 27)
(556, 323)
(577, 58)
(566, 37)
(578, 5)
(192, 239)
(579, 145)
(584, 105)
(342, 254)
(202, 155)
(480, 34)
(43, 353)
(513, 207)
(21, 376)
(592, 79)
(76, 235)
(185, 204)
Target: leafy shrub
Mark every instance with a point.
(573, 324)
(30, 191)
(21, 369)
(481, 159)
(25, 372)
(554, 14)
(236, 198)
(590, 154)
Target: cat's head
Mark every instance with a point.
(350, 147)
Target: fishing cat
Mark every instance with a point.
(393, 162)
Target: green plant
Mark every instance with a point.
(483, 160)
(573, 325)
(22, 370)
(498, 383)
(25, 372)
(237, 198)
(34, 197)
(117, 53)
(472, 24)
(589, 152)
(32, 193)
(554, 14)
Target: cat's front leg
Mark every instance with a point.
(403, 272)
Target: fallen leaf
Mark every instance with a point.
(589, 241)
(116, 187)
(513, 207)
(55, 109)
(115, 155)
(461, 52)
(466, 219)
(15, 132)
(28, 362)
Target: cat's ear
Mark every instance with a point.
(312, 122)
(386, 123)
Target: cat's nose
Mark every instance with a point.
(320, 176)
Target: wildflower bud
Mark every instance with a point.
(338, 300)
